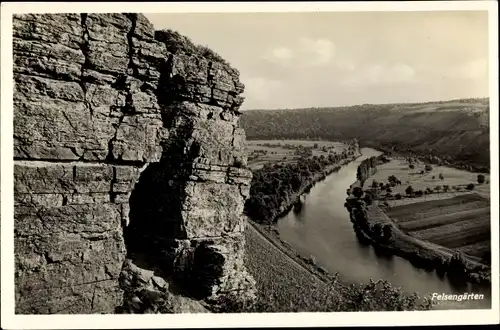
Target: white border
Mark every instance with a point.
(11, 321)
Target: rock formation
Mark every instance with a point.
(130, 172)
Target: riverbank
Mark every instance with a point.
(373, 226)
(288, 282)
(289, 203)
(267, 208)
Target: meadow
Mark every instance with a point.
(453, 180)
(261, 152)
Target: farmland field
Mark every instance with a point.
(454, 179)
(428, 222)
(427, 209)
(461, 223)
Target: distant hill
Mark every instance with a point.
(457, 130)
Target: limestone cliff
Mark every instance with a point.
(130, 171)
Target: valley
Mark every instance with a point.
(450, 218)
(454, 132)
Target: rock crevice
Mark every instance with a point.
(130, 173)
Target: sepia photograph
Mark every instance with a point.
(245, 163)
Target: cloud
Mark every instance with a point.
(375, 74)
(260, 88)
(305, 52)
(474, 69)
(282, 53)
(317, 51)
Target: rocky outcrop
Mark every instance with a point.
(129, 158)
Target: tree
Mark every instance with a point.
(409, 191)
(412, 166)
(315, 146)
(441, 176)
(357, 192)
(388, 190)
(470, 186)
(481, 178)
(438, 188)
(428, 167)
(374, 184)
(377, 230)
(433, 177)
(446, 188)
(398, 196)
(387, 230)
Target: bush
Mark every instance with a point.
(177, 43)
(412, 166)
(481, 178)
(428, 167)
(470, 186)
(398, 196)
(392, 179)
(409, 190)
(441, 176)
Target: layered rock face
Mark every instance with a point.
(128, 160)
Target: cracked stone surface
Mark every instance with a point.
(113, 134)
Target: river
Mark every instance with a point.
(323, 229)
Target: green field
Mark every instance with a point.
(452, 177)
(461, 223)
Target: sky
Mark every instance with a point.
(297, 60)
